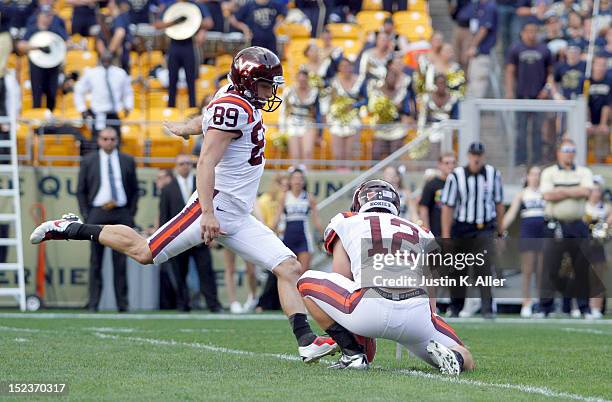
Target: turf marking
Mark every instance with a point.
(110, 329)
(15, 329)
(21, 340)
(586, 331)
(413, 373)
(280, 317)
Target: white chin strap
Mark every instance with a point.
(389, 206)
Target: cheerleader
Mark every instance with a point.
(298, 208)
(319, 68)
(529, 203)
(340, 109)
(598, 214)
(442, 64)
(389, 104)
(438, 105)
(373, 63)
(298, 117)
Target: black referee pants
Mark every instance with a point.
(468, 238)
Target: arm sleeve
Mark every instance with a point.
(81, 88)
(128, 93)
(546, 183)
(587, 179)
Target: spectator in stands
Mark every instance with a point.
(299, 209)
(182, 54)
(44, 81)
(19, 14)
(374, 60)
(445, 64)
(316, 12)
(574, 27)
(408, 205)
(430, 204)
(173, 199)
(298, 116)
(460, 11)
(141, 11)
(508, 22)
(606, 51)
(258, 19)
(600, 109)
(111, 92)
(395, 5)
(345, 10)
(229, 258)
(269, 203)
(340, 108)
(565, 188)
(529, 65)
(389, 105)
(569, 75)
(561, 9)
(6, 41)
(46, 5)
(115, 36)
(398, 42)
(529, 204)
(554, 38)
(531, 11)
(108, 194)
(10, 98)
(484, 30)
(84, 20)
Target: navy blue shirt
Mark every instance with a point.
(32, 29)
(140, 9)
(261, 19)
(600, 95)
(121, 21)
(570, 78)
(485, 14)
(56, 21)
(532, 63)
(5, 16)
(216, 13)
(21, 10)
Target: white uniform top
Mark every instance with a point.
(238, 173)
(296, 208)
(374, 233)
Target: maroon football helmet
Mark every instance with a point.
(255, 64)
(376, 195)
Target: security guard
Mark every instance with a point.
(182, 53)
(565, 187)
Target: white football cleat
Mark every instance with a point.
(53, 230)
(526, 312)
(354, 362)
(250, 304)
(320, 347)
(444, 358)
(236, 308)
(470, 307)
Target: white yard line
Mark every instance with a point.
(528, 389)
(280, 317)
(586, 331)
(16, 329)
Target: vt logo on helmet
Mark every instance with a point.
(376, 195)
(256, 64)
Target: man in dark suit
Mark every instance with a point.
(107, 194)
(173, 198)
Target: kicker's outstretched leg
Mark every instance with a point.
(120, 238)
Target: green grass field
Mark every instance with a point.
(204, 357)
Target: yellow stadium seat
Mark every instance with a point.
(151, 59)
(418, 5)
(343, 31)
(36, 116)
(371, 20)
(78, 60)
(293, 30)
(132, 140)
(192, 112)
(372, 5)
(58, 150)
(208, 72)
(157, 100)
(224, 62)
(165, 114)
(164, 148)
(415, 32)
(402, 18)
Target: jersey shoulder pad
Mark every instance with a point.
(331, 232)
(229, 113)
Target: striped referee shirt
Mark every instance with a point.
(473, 195)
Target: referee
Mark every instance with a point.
(472, 208)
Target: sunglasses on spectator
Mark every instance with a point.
(568, 149)
(108, 138)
